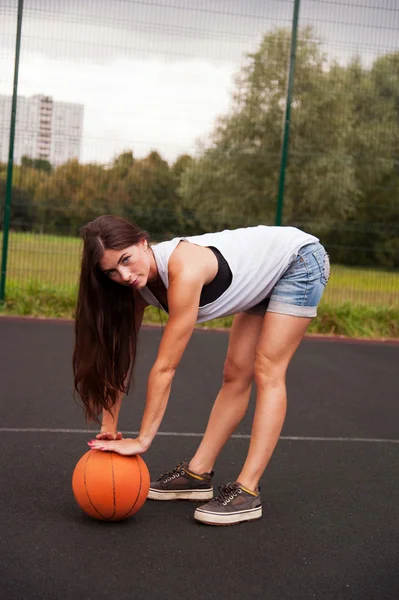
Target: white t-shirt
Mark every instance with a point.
(257, 256)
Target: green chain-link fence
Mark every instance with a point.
(173, 114)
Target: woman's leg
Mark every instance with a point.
(279, 339)
(232, 400)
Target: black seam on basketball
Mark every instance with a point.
(138, 493)
(87, 492)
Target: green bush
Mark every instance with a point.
(351, 320)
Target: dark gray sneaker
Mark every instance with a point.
(182, 484)
(234, 504)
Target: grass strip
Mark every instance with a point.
(348, 319)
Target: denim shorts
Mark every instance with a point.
(299, 290)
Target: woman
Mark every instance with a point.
(270, 278)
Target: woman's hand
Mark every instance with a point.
(109, 435)
(127, 447)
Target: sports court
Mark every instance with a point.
(330, 495)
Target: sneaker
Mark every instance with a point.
(234, 504)
(182, 484)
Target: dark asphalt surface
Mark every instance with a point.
(330, 528)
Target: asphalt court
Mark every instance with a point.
(330, 494)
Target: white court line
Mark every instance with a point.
(238, 436)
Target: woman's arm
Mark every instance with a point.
(183, 301)
(186, 279)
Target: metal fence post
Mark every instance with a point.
(286, 134)
(7, 205)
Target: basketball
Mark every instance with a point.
(110, 487)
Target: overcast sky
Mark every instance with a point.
(155, 74)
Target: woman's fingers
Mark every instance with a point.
(125, 446)
(109, 435)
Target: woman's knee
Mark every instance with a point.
(268, 373)
(237, 374)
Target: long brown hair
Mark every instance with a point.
(105, 332)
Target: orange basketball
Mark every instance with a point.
(110, 487)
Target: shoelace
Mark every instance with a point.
(169, 475)
(227, 493)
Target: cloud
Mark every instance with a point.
(134, 103)
(148, 76)
(157, 74)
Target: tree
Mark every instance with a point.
(236, 179)
(36, 163)
(370, 235)
(25, 182)
(147, 194)
(71, 196)
(122, 164)
(181, 164)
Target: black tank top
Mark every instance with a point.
(219, 284)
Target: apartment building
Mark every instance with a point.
(44, 129)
